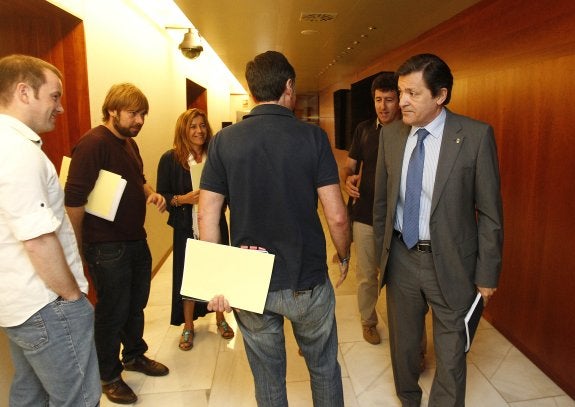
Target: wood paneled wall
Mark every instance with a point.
(40, 29)
(514, 67)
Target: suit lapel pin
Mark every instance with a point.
(458, 140)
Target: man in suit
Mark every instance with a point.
(438, 227)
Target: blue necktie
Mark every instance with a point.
(410, 232)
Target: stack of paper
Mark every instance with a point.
(104, 199)
(242, 276)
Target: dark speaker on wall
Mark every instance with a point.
(342, 118)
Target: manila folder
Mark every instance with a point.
(64, 171)
(242, 276)
(104, 199)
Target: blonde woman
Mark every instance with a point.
(175, 183)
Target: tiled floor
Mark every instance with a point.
(215, 372)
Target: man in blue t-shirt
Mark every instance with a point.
(272, 168)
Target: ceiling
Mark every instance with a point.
(239, 30)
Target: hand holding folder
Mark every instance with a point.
(242, 276)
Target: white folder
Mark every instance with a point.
(105, 197)
(242, 276)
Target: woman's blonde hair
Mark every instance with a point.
(182, 144)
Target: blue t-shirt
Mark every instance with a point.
(269, 167)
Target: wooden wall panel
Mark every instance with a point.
(40, 29)
(514, 64)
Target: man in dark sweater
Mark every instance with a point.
(117, 254)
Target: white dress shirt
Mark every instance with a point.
(432, 144)
(31, 205)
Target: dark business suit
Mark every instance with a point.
(466, 230)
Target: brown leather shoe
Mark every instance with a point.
(371, 335)
(146, 366)
(119, 392)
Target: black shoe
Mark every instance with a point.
(119, 392)
(146, 366)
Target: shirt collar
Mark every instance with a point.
(435, 128)
(269, 108)
(23, 130)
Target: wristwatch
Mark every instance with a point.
(343, 261)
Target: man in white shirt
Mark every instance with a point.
(43, 310)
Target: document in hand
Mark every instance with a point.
(472, 320)
(242, 276)
(104, 199)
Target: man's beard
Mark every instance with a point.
(124, 131)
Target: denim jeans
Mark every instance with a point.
(54, 357)
(312, 314)
(121, 273)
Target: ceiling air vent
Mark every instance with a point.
(317, 17)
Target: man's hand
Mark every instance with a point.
(158, 200)
(486, 293)
(343, 269)
(351, 186)
(219, 304)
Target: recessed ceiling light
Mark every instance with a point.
(309, 32)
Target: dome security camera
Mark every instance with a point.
(191, 46)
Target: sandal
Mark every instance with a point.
(187, 340)
(225, 330)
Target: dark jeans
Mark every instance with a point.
(121, 273)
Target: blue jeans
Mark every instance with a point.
(312, 314)
(54, 357)
(121, 273)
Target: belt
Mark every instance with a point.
(423, 246)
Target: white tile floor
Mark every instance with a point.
(215, 372)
